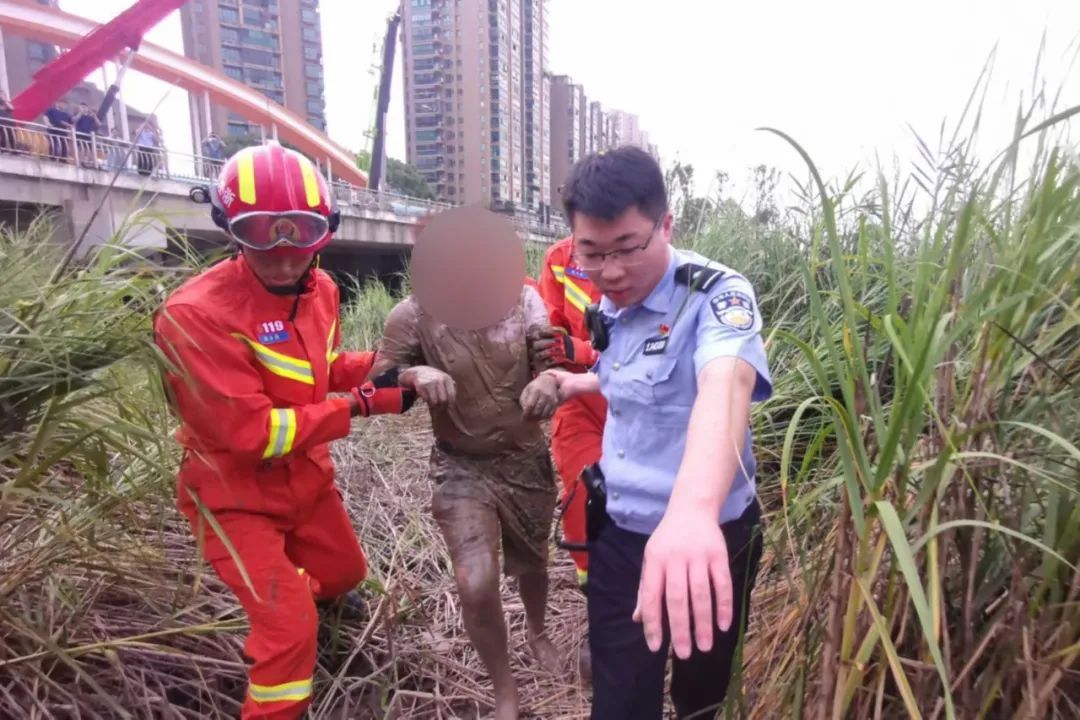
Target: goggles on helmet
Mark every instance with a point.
(267, 230)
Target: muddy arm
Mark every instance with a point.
(399, 346)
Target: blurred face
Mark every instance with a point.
(280, 267)
(624, 257)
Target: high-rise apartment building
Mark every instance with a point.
(477, 111)
(569, 125)
(625, 129)
(598, 127)
(24, 57)
(580, 127)
(273, 46)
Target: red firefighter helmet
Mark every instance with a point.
(267, 196)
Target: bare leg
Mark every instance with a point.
(534, 589)
(472, 537)
(478, 585)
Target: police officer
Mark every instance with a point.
(674, 523)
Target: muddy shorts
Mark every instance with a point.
(479, 501)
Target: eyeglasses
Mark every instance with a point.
(591, 261)
(266, 230)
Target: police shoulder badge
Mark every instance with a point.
(733, 309)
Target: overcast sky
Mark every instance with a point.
(844, 77)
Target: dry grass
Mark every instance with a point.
(125, 621)
(120, 622)
(425, 666)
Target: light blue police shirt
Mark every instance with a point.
(650, 384)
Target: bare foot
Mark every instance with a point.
(545, 653)
(506, 701)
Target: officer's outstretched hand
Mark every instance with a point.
(686, 559)
(431, 384)
(571, 385)
(540, 398)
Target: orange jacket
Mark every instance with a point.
(567, 291)
(250, 388)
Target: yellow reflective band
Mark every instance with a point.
(577, 297)
(245, 173)
(311, 185)
(331, 356)
(279, 364)
(559, 272)
(290, 431)
(291, 691)
(582, 576)
(282, 432)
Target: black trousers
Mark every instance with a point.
(627, 677)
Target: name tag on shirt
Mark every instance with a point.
(273, 338)
(575, 272)
(656, 345)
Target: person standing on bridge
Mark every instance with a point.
(86, 124)
(60, 124)
(254, 350)
(213, 152)
(7, 124)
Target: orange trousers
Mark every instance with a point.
(289, 564)
(574, 446)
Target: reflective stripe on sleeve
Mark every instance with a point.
(282, 432)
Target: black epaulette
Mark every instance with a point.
(697, 277)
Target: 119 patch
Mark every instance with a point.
(733, 309)
(273, 332)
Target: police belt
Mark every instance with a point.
(595, 506)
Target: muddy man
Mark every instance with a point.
(461, 340)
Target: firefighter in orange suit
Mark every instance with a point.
(254, 347)
(578, 425)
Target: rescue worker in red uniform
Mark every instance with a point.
(578, 425)
(254, 344)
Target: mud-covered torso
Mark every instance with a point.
(490, 368)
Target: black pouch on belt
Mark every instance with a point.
(596, 504)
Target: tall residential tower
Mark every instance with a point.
(477, 107)
(273, 46)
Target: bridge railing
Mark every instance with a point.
(407, 206)
(102, 152)
(91, 150)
